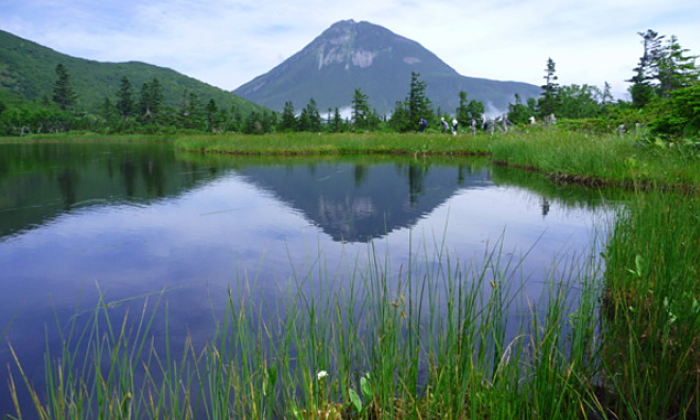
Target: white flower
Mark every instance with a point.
(322, 374)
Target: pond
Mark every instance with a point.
(138, 221)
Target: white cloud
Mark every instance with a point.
(227, 43)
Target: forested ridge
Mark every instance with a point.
(43, 91)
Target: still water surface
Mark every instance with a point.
(134, 220)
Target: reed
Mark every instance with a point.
(436, 338)
(651, 332)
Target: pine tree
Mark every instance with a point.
(337, 122)
(289, 121)
(125, 100)
(417, 102)
(213, 116)
(63, 94)
(548, 100)
(462, 111)
(150, 99)
(191, 114)
(675, 69)
(313, 117)
(642, 90)
(360, 110)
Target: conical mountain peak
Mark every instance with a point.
(350, 55)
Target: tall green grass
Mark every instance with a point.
(567, 156)
(342, 143)
(652, 309)
(433, 339)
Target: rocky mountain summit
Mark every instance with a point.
(350, 55)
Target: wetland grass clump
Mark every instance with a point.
(651, 309)
(438, 338)
(341, 143)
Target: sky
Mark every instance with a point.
(227, 43)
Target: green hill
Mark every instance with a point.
(27, 73)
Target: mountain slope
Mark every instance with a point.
(27, 72)
(351, 55)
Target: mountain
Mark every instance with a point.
(351, 55)
(27, 73)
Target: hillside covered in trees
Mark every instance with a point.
(44, 91)
(29, 77)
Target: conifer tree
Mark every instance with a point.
(642, 90)
(151, 98)
(548, 100)
(462, 111)
(360, 110)
(125, 99)
(337, 121)
(310, 119)
(63, 94)
(417, 102)
(675, 69)
(289, 121)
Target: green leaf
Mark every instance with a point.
(355, 399)
(366, 387)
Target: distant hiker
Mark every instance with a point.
(550, 119)
(444, 124)
(422, 124)
(621, 129)
(454, 126)
(472, 127)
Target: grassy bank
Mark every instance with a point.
(567, 156)
(651, 309)
(343, 143)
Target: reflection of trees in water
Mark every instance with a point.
(360, 174)
(128, 170)
(545, 206)
(416, 179)
(67, 184)
(154, 177)
(40, 181)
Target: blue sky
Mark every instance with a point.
(226, 43)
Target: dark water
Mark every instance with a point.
(133, 220)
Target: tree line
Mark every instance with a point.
(664, 93)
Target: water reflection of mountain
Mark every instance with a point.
(357, 202)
